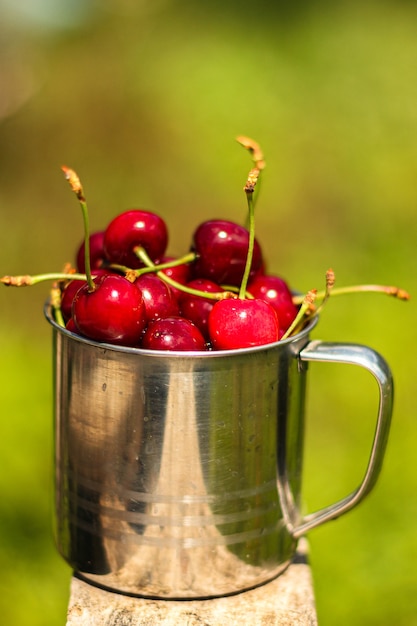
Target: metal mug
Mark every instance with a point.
(178, 474)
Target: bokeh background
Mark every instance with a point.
(145, 99)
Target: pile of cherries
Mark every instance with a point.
(140, 297)
(125, 290)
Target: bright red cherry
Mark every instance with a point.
(275, 290)
(132, 229)
(114, 312)
(97, 254)
(222, 249)
(71, 289)
(197, 308)
(173, 333)
(242, 323)
(157, 296)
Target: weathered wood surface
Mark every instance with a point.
(286, 601)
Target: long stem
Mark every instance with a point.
(27, 280)
(305, 308)
(75, 184)
(143, 256)
(396, 292)
(87, 260)
(251, 228)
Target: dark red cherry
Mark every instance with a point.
(237, 323)
(97, 254)
(173, 333)
(275, 290)
(114, 312)
(222, 248)
(157, 296)
(132, 229)
(70, 325)
(197, 308)
(71, 289)
(180, 273)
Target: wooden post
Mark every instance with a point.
(286, 601)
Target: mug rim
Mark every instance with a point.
(175, 353)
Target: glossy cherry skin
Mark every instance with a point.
(275, 290)
(113, 313)
(237, 323)
(131, 229)
(71, 289)
(173, 333)
(157, 296)
(97, 255)
(197, 308)
(222, 248)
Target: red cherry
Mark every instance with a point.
(237, 323)
(173, 333)
(132, 229)
(275, 290)
(197, 308)
(71, 289)
(114, 312)
(222, 248)
(157, 296)
(70, 325)
(97, 254)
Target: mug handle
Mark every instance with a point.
(373, 362)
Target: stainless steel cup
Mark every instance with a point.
(178, 474)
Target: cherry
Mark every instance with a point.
(242, 323)
(70, 325)
(197, 308)
(222, 248)
(68, 295)
(173, 333)
(132, 229)
(97, 254)
(71, 289)
(158, 298)
(275, 290)
(114, 312)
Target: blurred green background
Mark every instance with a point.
(144, 100)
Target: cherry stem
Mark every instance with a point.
(330, 281)
(258, 161)
(27, 281)
(55, 302)
(305, 309)
(75, 184)
(143, 256)
(396, 292)
(187, 258)
(249, 188)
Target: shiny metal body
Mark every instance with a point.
(178, 475)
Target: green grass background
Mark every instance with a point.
(144, 100)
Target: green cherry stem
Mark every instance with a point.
(75, 184)
(258, 162)
(395, 292)
(27, 281)
(249, 189)
(304, 310)
(143, 256)
(187, 258)
(55, 302)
